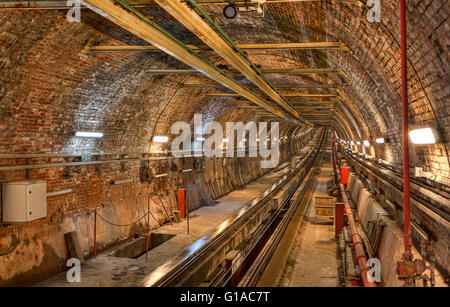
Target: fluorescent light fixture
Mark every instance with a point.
(200, 139)
(160, 139)
(366, 143)
(422, 136)
(380, 140)
(359, 143)
(89, 134)
(225, 140)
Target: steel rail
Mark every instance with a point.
(178, 272)
(419, 197)
(253, 274)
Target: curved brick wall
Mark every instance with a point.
(49, 89)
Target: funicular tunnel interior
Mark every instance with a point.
(272, 143)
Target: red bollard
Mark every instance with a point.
(182, 202)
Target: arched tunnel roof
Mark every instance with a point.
(50, 87)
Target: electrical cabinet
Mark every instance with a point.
(24, 201)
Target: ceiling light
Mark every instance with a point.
(359, 143)
(380, 140)
(88, 134)
(230, 11)
(200, 139)
(366, 143)
(160, 139)
(422, 136)
(225, 140)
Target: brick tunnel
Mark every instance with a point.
(224, 143)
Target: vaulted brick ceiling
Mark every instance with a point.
(48, 88)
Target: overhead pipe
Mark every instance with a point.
(406, 194)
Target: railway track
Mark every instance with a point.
(430, 206)
(237, 251)
(438, 201)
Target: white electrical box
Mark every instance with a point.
(24, 201)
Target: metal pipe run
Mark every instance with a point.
(360, 259)
(406, 194)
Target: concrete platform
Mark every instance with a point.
(105, 270)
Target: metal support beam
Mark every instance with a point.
(62, 5)
(198, 24)
(285, 95)
(137, 24)
(278, 86)
(289, 71)
(247, 47)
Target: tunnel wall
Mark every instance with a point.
(41, 251)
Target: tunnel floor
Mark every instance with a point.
(312, 262)
(105, 270)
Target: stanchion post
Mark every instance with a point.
(148, 226)
(187, 213)
(95, 232)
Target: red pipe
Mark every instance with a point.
(360, 259)
(406, 197)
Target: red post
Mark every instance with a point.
(338, 219)
(187, 214)
(95, 232)
(182, 202)
(148, 226)
(406, 197)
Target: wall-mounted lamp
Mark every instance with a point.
(89, 134)
(382, 140)
(423, 136)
